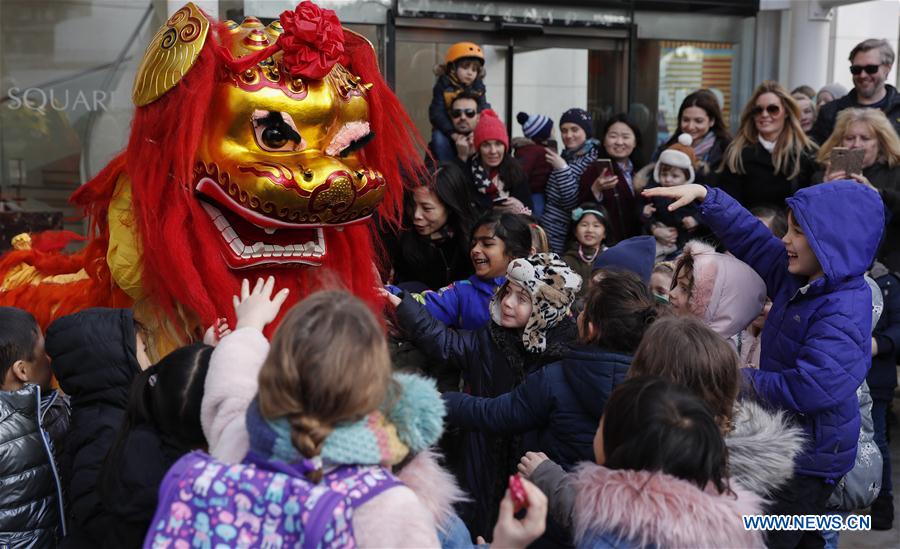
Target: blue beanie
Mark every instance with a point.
(636, 254)
(536, 126)
(579, 117)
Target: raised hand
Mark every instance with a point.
(258, 307)
(555, 160)
(683, 194)
(391, 298)
(216, 332)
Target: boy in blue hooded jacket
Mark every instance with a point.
(816, 347)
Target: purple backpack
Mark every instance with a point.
(207, 504)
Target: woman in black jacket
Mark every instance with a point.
(433, 248)
(162, 424)
(95, 353)
(771, 157)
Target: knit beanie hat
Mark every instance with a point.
(579, 117)
(490, 127)
(636, 254)
(536, 126)
(552, 286)
(679, 155)
(835, 89)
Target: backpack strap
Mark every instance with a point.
(352, 486)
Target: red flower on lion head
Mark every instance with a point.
(313, 41)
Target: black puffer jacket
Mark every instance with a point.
(30, 487)
(94, 358)
(130, 495)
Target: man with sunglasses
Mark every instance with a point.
(464, 117)
(870, 63)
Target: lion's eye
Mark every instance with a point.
(275, 132)
(274, 137)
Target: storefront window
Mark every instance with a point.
(670, 70)
(66, 70)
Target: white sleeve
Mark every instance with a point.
(231, 383)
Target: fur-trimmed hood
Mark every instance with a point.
(727, 293)
(434, 486)
(655, 509)
(762, 447)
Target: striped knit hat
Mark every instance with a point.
(535, 127)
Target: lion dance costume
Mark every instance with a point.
(254, 150)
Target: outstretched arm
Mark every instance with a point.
(526, 408)
(743, 234)
(431, 336)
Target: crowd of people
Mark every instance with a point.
(583, 349)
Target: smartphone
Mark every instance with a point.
(517, 492)
(499, 200)
(552, 145)
(604, 165)
(847, 160)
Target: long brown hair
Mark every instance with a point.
(791, 143)
(706, 100)
(328, 363)
(683, 350)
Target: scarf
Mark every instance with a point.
(371, 440)
(484, 183)
(701, 149)
(586, 147)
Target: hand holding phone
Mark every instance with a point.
(552, 145)
(605, 166)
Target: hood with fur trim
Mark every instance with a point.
(727, 293)
(762, 447)
(655, 509)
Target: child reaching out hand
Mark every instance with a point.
(816, 343)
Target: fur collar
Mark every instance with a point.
(648, 508)
(762, 447)
(434, 486)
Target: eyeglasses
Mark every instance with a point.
(456, 113)
(772, 109)
(856, 70)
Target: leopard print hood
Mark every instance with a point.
(552, 286)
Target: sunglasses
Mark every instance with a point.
(858, 69)
(772, 109)
(456, 113)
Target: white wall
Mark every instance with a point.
(857, 22)
(549, 82)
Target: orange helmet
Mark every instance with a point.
(461, 50)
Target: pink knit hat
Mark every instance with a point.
(490, 127)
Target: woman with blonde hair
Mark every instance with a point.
(869, 129)
(771, 156)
